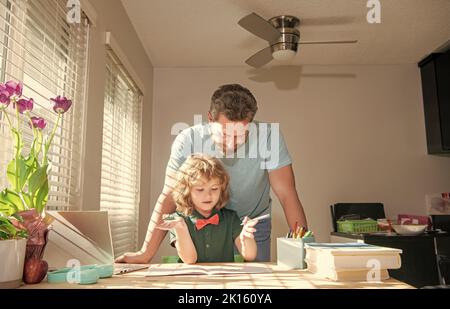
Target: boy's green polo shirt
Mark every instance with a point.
(213, 243)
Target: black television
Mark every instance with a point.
(435, 73)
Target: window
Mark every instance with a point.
(39, 47)
(121, 155)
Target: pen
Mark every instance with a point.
(169, 218)
(298, 232)
(259, 218)
(307, 234)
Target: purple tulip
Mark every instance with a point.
(4, 96)
(38, 123)
(14, 88)
(62, 104)
(24, 105)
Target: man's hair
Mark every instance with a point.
(237, 103)
(195, 167)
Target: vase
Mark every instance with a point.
(12, 257)
(35, 268)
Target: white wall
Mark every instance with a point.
(111, 17)
(355, 133)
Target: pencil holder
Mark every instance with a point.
(291, 252)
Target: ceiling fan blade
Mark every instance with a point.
(260, 58)
(329, 42)
(259, 27)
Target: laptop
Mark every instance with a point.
(82, 237)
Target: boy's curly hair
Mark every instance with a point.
(195, 167)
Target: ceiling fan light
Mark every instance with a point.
(283, 54)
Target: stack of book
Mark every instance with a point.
(351, 261)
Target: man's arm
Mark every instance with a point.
(282, 181)
(154, 237)
(164, 205)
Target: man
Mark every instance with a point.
(242, 145)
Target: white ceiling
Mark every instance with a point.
(205, 33)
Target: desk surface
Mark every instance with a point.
(279, 278)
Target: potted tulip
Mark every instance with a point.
(13, 240)
(27, 195)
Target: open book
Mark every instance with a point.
(209, 270)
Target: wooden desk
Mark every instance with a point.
(279, 278)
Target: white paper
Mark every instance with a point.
(208, 270)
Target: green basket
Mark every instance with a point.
(357, 226)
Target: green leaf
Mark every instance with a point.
(22, 234)
(27, 199)
(32, 164)
(41, 197)
(22, 173)
(11, 173)
(8, 230)
(17, 217)
(10, 202)
(37, 180)
(6, 209)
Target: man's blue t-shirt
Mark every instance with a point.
(264, 151)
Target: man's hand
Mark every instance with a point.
(282, 182)
(133, 258)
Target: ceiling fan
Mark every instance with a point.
(281, 34)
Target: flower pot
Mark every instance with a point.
(35, 268)
(12, 257)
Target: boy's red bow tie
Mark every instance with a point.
(201, 223)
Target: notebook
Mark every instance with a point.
(352, 255)
(350, 249)
(365, 275)
(82, 237)
(207, 270)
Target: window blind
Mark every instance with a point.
(121, 155)
(39, 47)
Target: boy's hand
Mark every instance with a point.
(171, 222)
(248, 228)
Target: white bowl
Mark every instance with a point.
(409, 229)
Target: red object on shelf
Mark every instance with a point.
(414, 219)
